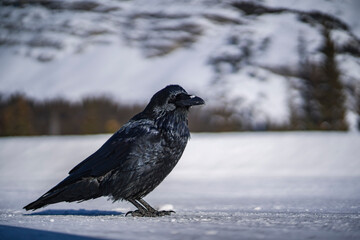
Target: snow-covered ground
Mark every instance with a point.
(226, 186)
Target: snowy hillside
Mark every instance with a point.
(230, 52)
(226, 186)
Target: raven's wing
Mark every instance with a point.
(116, 153)
(112, 154)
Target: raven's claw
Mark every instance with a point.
(135, 213)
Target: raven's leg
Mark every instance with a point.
(152, 210)
(146, 205)
(141, 212)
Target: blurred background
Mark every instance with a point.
(87, 66)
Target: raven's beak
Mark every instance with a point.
(189, 100)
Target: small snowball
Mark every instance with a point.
(166, 207)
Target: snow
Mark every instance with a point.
(284, 44)
(104, 69)
(292, 185)
(346, 10)
(262, 91)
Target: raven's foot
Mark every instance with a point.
(138, 213)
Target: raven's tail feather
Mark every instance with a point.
(46, 199)
(34, 205)
(79, 191)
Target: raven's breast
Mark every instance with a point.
(148, 165)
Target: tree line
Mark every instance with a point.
(21, 115)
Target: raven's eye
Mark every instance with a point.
(172, 99)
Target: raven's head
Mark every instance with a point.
(172, 98)
(168, 109)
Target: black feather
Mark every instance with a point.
(136, 158)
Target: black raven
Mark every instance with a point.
(133, 161)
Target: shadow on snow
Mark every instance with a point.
(21, 233)
(78, 212)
